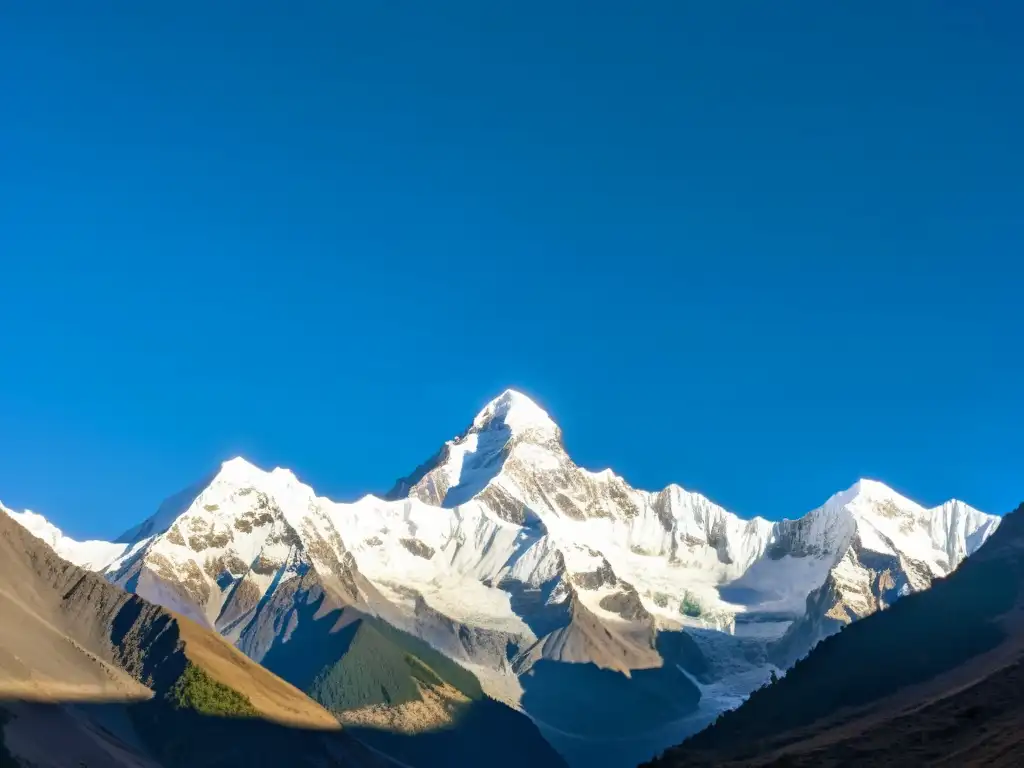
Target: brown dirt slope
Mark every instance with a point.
(43, 653)
(934, 680)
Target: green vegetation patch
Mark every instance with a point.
(690, 606)
(372, 671)
(449, 671)
(383, 666)
(197, 691)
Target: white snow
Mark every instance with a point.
(93, 555)
(710, 557)
(517, 412)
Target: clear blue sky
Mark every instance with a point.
(757, 250)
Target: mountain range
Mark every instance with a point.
(500, 589)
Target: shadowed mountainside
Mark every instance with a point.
(153, 734)
(400, 695)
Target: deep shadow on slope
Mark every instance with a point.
(6, 758)
(485, 734)
(563, 695)
(121, 734)
(322, 641)
(982, 725)
(600, 717)
(905, 667)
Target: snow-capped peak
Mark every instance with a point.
(872, 488)
(868, 494)
(239, 467)
(88, 554)
(233, 474)
(517, 412)
(36, 524)
(240, 470)
(888, 522)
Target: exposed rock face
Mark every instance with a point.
(626, 604)
(418, 548)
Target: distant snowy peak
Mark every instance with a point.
(233, 474)
(218, 550)
(880, 546)
(872, 491)
(518, 414)
(466, 464)
(36, 524)
(93, 555)
(888, 522)
(224, 500)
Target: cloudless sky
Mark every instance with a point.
(758, 249)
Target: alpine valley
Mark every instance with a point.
(503, 601)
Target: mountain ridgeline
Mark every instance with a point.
(501, 591)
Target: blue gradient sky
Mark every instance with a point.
(758, 251)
